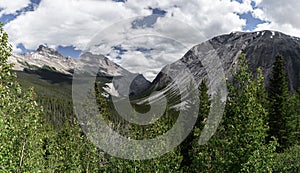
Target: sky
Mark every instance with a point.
(140, 35)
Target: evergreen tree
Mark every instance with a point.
(204, 105)
(278, 102)
(190, 145)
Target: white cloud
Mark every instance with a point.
(283, 12)
(71, 22)
(285, 28)
(67, 22)
(161, 51)
(257, 2)
(12, 6)
(259, 14)
(282, 16)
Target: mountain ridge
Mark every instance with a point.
(260, 47)
(48, 61)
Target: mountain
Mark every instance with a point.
(222, 52)
(212, 60)
(44, 57)
(51, 74)
(47, 67)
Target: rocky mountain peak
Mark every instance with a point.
(50, 60)
(42, 49)
(260, 47)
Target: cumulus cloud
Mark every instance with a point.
(149, 54)
(144, 50)
(281, 15)
(57, 22)
(76, 23)
(12, 6)
(68, 22)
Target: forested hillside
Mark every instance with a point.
(259, 131)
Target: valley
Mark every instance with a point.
(229, 61)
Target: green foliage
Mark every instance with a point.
(204, 104)
(190, 145)
(278, 103)
(68, 150)
(20, 120)
(288, 161)
(262, 159)
(169, 162)
(57, 111)
(293, 120)
(245, 124)
(239, 143)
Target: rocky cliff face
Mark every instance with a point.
(222, 52)
(48, 59)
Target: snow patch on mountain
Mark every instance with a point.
(111, 89)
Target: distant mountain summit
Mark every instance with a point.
(46, 50)
(50, 60)
(260, 47)
(43, 57)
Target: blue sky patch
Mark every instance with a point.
(69, 51)
(251, 22)
(149, 21)
(9, 17)
(144, 50)
(157, 11)
(119, 49)
(24, 50)
(64, 50)
(119, 0)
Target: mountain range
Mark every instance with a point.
(47, 68)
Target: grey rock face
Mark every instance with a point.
(46, 50)
(261, 49)
(51, 60)
(44, 57)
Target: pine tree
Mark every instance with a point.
(204, 104)
(200, 155)
(278, 102)
(190, 146)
